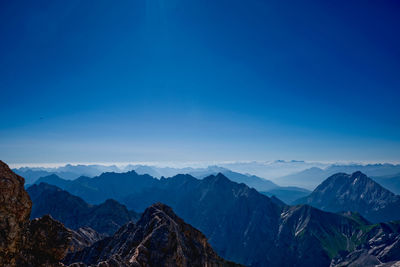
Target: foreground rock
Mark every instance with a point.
(41, 242)
(160, 238)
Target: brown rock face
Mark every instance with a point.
(15, 208)
(41, 242)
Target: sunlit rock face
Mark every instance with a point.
(41, 242)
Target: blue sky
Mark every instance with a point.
(199, 80)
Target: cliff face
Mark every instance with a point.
(41, 242)
(160, 238)
(15, 207)
(47, 242)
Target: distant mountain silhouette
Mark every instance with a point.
(251, 180)
(74, 212)
(108, 185)
(358, 193)
(308, 178)
(95, 191)
(160, 238)
(32, 175)
(68, 172)
(256, 182)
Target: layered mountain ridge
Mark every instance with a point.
(74, 212)
(287, 194)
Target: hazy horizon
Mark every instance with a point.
(183, 164)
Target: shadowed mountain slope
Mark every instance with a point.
(358, 193)
(74, 212)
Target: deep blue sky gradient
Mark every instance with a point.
(197, 80)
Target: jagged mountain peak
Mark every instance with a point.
(160, 238)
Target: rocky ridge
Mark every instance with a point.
(160, 238)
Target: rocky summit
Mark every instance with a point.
(41, 242)
(160, 238)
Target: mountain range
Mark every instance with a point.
(95, 190)
(310, 178)
(243, 225)
(105, 186)
(160, 238)
(69, 171)
(270, 169)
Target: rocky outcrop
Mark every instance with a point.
(41, 242)
(160, 238)
(47, 242)
(15, 207)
